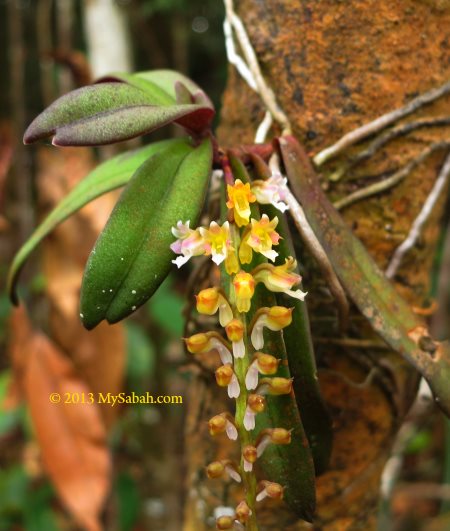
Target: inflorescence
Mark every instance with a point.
(245, 370)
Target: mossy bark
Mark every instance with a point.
(335, 66)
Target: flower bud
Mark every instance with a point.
(223, 423)
(197, 343)
(271, 490)
(249, 453)
(224, 374)
(235, 330)
(272, 436)
(267, 364)
(256, 403)
(225, 522)
(235, 333)
(244, 287)
(204, 342)
(275, 318)
(275, 386)
(217, 424)
(215, 470)
(243, 512)
(208, 301)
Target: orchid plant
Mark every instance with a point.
(262, 343)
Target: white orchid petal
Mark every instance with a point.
(239, 348)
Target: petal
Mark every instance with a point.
(231, 431)
(239, 349)
(251, 378)
(233, 388)
(180, 260)
(249, 419)
(248, 467)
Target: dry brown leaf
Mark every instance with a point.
(72, 437)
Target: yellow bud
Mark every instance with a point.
(225, 522)
(208, 301)
(256, 403)
(280, 436)
(235, 330)
(243, 512)
(196, 343)
(217, 425)
(278, 385)
(215, 470)
(223, 375)
(274, 490)
(250, 453)
(267, 364)
(280, 316)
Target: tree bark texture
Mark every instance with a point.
(335, 66)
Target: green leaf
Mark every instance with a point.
(389, 314)
(111, 112)
(93, 100)
(108, 176)
(129, 122)
(154, 91)
(297, 338)
(167, 79)
(132, 256)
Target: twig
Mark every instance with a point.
(420, 220)
(262, 88)
(380, 123)
(391, 181)
(390, 135)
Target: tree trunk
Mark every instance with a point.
(335, 66)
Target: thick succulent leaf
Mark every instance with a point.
(155, 93)
(166, 79)
(297, 338)
(112, 112)
(108, 176)
(83, 103)
(132, 255)
(388, 313)
(123, 124)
